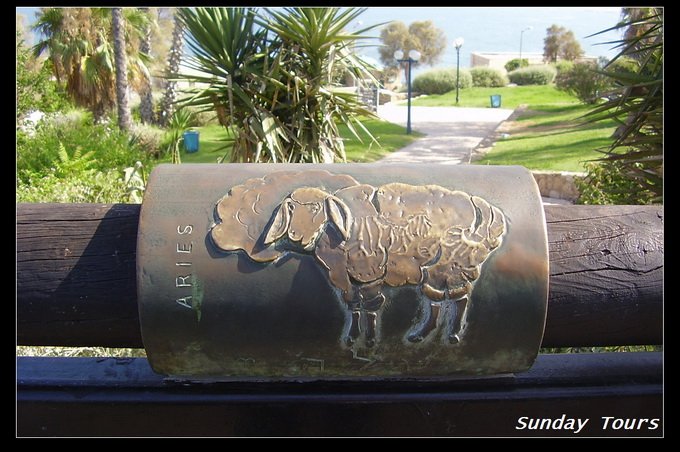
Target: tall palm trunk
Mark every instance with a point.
(120, 56)
(146, 105)
(174, 58)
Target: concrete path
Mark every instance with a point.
(451, 133)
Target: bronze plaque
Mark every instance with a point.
(341, 271)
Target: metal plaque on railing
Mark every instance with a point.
(341, 271)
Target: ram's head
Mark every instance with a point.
(303, 215)
(245, 215)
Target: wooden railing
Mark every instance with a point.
(76, 287)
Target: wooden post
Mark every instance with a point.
(76, 281)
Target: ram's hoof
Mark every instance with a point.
(454, 338)
(415, 338)
(374, 303)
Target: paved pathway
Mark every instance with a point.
(451, 133)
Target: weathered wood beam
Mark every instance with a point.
(76, 275)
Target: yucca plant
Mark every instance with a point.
(637, 105)
(268, 75)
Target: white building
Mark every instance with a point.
(497, 60)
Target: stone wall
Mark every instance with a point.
(558, 184)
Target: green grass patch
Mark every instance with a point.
(390, 136)
(511, 97)
(551, 137)
(214, 142)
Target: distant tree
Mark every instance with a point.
(34, 88)
(120, 59)
(637, 153)
(146, 94)
(24, 36)
(570, 49)
(172, 69)
(80, 46)
(516, 63)
(22, 32)
(634, 21)
(161, 41)
(638, 30)
(560, 43)
(584, 80)
(422, 36)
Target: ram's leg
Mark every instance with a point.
(430, 323)
(334, 259)
(458, 321)
(430, 313)
(354, 328)
(371, 325)
(373, 299)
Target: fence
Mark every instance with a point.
(76, 287)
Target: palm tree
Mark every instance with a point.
(50, 24)
(174, 60)
(118, 23)
(637, 104)
(79, 42)
(146, 92)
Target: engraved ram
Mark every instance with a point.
(366, 237)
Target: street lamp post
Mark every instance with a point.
(521, 35)
(458, 43)
(413, 57)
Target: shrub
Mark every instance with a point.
(488, 77)
(538, 75)
(440, 81)
(607, 183)
(623, 66)
(148, 138)
(515, 63)
(583, 81)
(563, 66)
(108, 147)
(202, 118)
(35, 89)
(87, 186)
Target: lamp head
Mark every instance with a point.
(398, 55)
(414, 55)
(458, 43)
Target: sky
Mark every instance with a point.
(490, 29)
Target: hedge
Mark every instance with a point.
(536, 75)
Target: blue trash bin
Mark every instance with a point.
(191, 140)
(495, 101)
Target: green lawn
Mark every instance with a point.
(551, 137)
(214, 143)
(390, 137)
(511, 97)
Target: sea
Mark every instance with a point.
(499, 29)
(487, 29)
